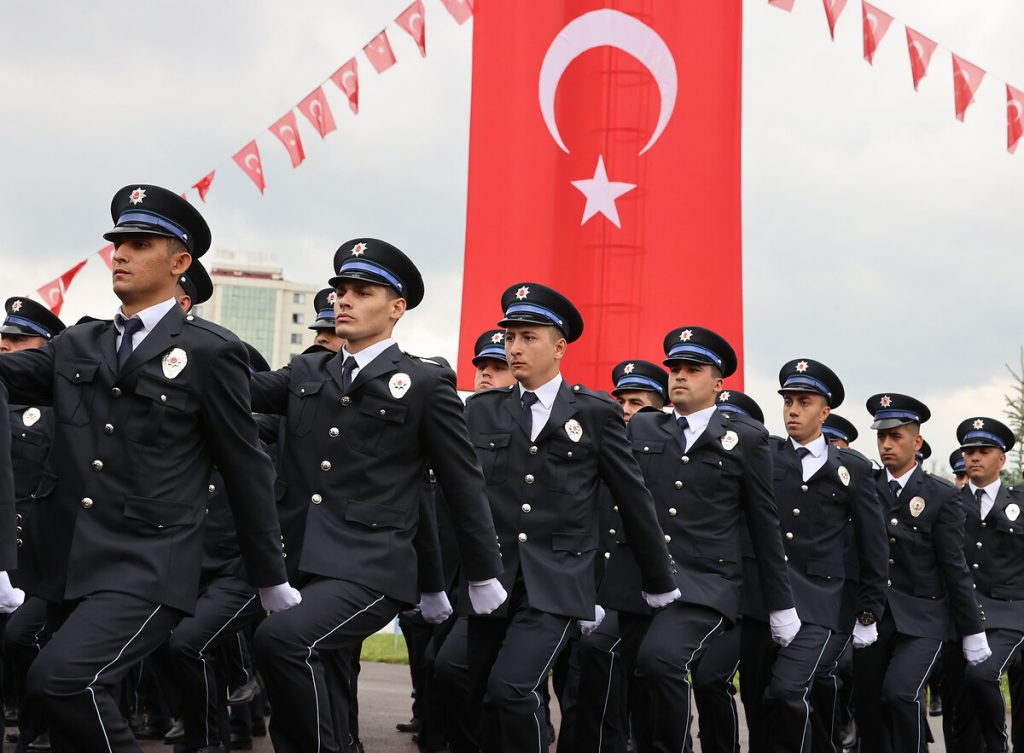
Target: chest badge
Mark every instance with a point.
(399, 385)
(173, 363)
(730, 440)
(916, 506)
(30, 416)
(1012, 511)
(574, 430)
(844, 475)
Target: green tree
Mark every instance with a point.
(1014, 472)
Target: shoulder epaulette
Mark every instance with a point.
(579, 389)
(739, 418)
(222, 332)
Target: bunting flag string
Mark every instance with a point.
(314, 107)
(967, 77)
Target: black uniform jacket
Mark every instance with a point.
(815, 516)
(122, 502)
(544, 495)
(31, 436)
(356, 467)
(702, 497)
(8, 549)
(994, 548)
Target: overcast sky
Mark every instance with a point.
(880, 235)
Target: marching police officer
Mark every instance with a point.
(707, 470)
(144, 406)
(362, 426)
(839, 431)
(958, 466)
(323, 325)
(194, 286)
(930, 591)
(545, 449)
(994, 547)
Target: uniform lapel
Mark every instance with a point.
(1001, 501)
(714, 430)
(788, 453)
(156, 342)
(382, 364)
(668, 424)
(333, 367)
(106, 346)
(829, 467)
(562, 410)
(514, 406)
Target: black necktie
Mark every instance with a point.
(347, 367)
(528, 399)
(802, 452)
(131, 326)
(979, 494)
(683, 426)
(895, 488)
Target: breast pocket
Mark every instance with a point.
(567, 471)
(492, 452)
(381, 422)
(646, 451)
(167, 405)
(73, 397)
(720, 474)
(302, 407)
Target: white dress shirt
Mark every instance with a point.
(150, 318)
(988, 499)
(367, 354)
(696, 423)
(818, 455)
(901, 480)
(541, 410)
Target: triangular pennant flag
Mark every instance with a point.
(966, 80)
(203, 185)
(461, 10)
(413, 21)
(786, 5)
(317, 111)
(378, 51)
(876, 24)
(52, 296)
(1014, 117)
(107, 254)
(287, 131)
(248, 158)
(833, 9)
(346, 78)
(921, 49)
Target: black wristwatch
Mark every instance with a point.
(866, 618)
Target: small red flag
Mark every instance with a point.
(412, 20)
(1014, 117)
(52, 296)
(461, 10)
(833, 9)
(346, 78)
(876, 24)
(379, 52)
(107, 254)
(203, 185)
(966, 80)
(921, 49)
(248, 158)
(786, 5)
(287, 131)
(317, 112)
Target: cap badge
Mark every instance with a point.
(522, 293)
(844, 475)
(574, 430)
(724, 397)
(332, 297)
(497, 337)
(916, 506)
(16, 306)
(30, 416)
(801, 366)
(359, 249)
(1012, 511)
(137, 195)
(399, 385)
(886, 401)
(630, 368)
(978, 423)
(685, 335)
(173, 363)
(730, 440)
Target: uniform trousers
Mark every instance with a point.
(24, 637)
(451, 676)
(676, 637)
(417, 633)
(757, 651)
(889, 682)
(826, 711)
(334, 615)
(509, 661)
(432, 735)
(225, 605)
(714, 694)
(70, 687)
(787, 701)
(1015, 673)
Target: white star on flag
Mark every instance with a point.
(358, 249)
(601, 194)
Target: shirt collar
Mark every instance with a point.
(817, 446)
(698, 420)
(150, 316)
(368, 353)
(991, 490)
(546, 393)
(901, 480)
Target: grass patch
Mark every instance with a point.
(390, 649)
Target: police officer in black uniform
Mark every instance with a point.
(958, 466)
(545, 449)
(144, 406)
(323, 325)
(362, 426)
(839, 431)
(707, 470)
(819, 488)
(929, 590)
(994, 547)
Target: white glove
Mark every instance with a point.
(486, 595)
(864, 635)
(976, 648)
(657, 601)
(435, 608)
(279, 598)
(589, 626)
(785, 624)
(10, 597)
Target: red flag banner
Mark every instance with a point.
(921, 49)
(287, 131)
(379, 52)
(587, 172)
(412, 20)
(317, 111)
(67, 277)
(1014, 117)
(52, 296)
(966, 80)
(107, 254)
(876, 24)
(248, 158)
(203, 185)
(461, 10)
(833, 9)
(786, 5)
(346, 78)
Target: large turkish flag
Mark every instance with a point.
(604, 161)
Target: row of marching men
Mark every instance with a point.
(712, 529)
